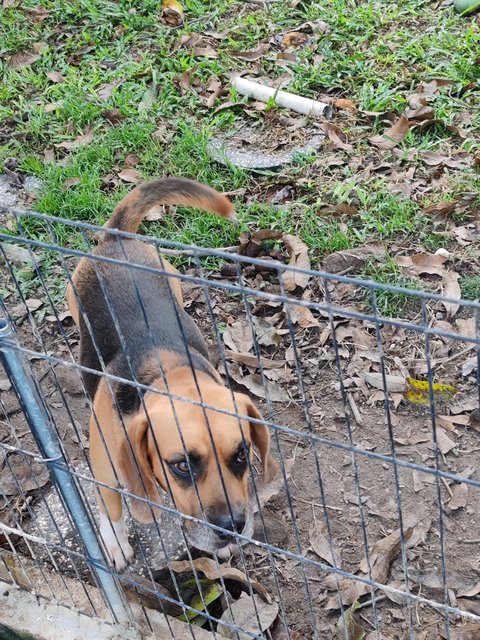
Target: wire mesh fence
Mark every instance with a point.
(314, 475)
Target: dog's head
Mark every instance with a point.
(200, 457)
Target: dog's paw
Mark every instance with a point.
(120, 555)
(225, 553)
(115, 539)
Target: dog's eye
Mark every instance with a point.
(241, 456)
(181, 467)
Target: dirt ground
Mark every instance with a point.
(363, 496)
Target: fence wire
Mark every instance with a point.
(370, 526)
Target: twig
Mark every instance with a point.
(355, 411)
(316, 504)
(370, 602)
(457, 355)
(18, 532)
(447, 487)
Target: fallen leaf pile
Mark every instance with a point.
(222, 592)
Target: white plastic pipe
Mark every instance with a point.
(291, 101)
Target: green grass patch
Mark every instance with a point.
(470, 287)
(118, 56)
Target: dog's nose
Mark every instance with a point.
(235, 524)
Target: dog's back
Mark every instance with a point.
(130, 312)
(126, 312)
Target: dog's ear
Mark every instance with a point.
(137, 471)
(261, 439)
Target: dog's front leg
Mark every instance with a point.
(115, 538)
(113, 529)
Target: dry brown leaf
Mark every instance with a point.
(213, 91)
(294, 39)
(40, 47)
(205, 52)
(457, 161)
(105, 91)
(445, 444)
(423, 263)
(287, 57)
(155, 213)
(394, 384)
(81, 140)
(248, 55)
(441, 208)
(467, 327)
(460, 420)
(459, 496)
(392, 136)
(252, 361)
(345, 104)
(56, 77)
(474, 421)
(38, 14)
(336, 135)
(114, 116)
(464, 402)
(278, 632)
(433, 579)
(298, 252)
(420, 113)
(451, 290)
(71, 182)
(302, 316)
(131, 160)
(267, 334)
(22, 59)
(351, 261)
(214, 571)
(469, 592)
(321, 546)
(472, 606)
(251, 245)
(21, 474)
(250, 614)
(238, 336)
(21, 309)
(131, 176)
(171, 13)
(350, 591)
(467, 632)
(412, 440)
(258, 386)
(383, 552)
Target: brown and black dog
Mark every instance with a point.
(133, 325)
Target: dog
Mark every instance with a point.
(133, 325)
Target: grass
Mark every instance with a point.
(389, 303)
(373, 53)
(470, 287)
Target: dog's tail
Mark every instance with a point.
(130, 212)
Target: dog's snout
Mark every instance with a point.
(235, 524)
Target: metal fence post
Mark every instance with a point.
(40, 422)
